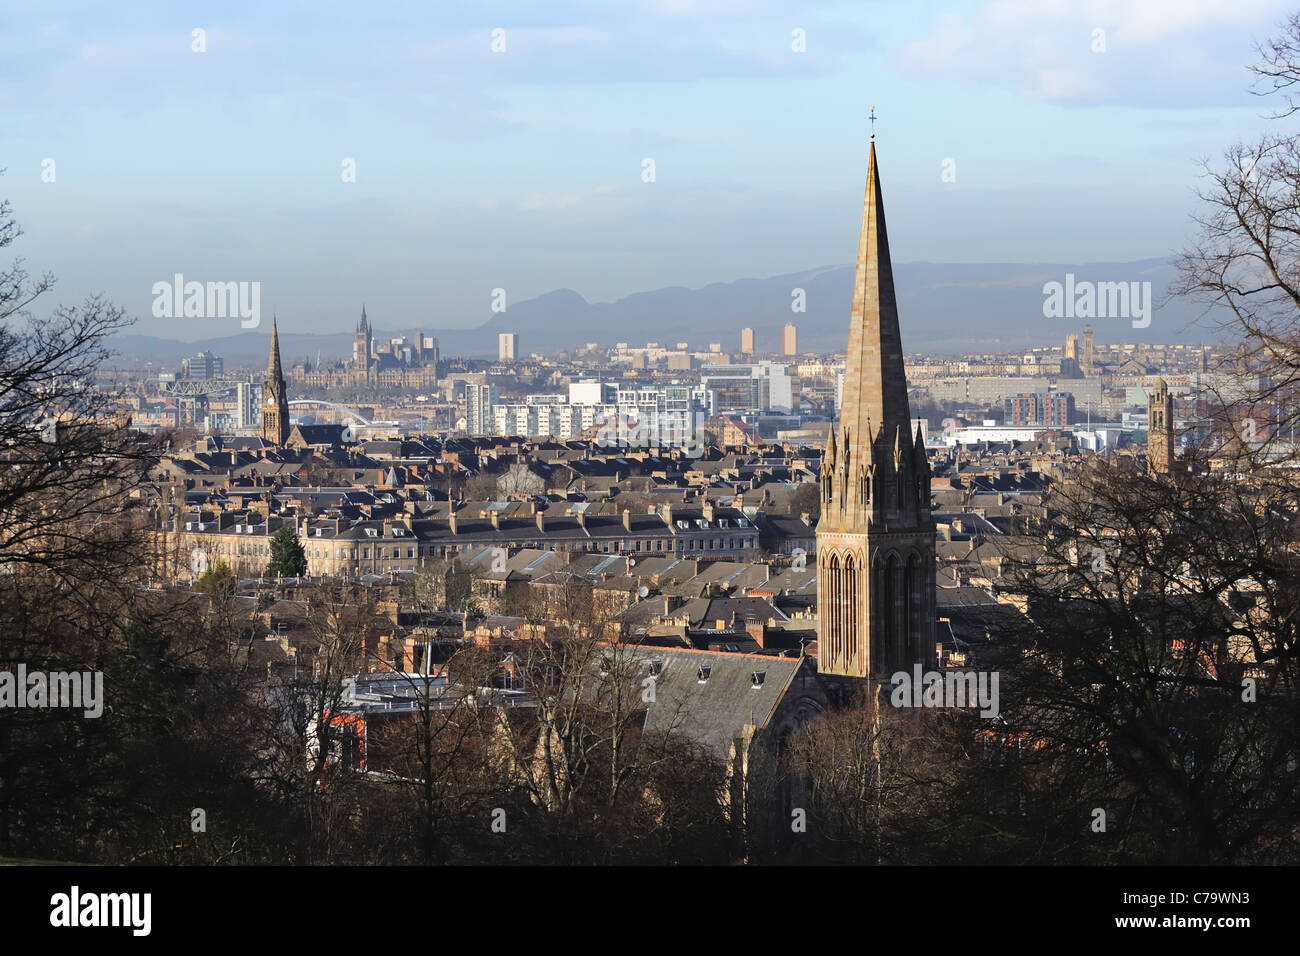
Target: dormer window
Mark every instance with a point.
(756, 679)
(703, 674)
(656, 668)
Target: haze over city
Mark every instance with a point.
(520, 166)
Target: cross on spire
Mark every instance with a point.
(873, 123)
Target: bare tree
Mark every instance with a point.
(570, 726)
(519, 480)
(317, 749)
(1245, 261)
(68, 461)
(435, 748)
(1157, 670)
(480, 487)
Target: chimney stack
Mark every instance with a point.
(541, 520)
(495, 515)
(627, 519)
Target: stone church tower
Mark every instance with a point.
(875, 539)
(362, 346)
(275, 400)
(1160, 430)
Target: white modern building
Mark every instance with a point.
(478, 409)
(761, 387)
(669, 415)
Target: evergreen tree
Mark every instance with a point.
(287, 555)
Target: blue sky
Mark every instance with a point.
(522, 169)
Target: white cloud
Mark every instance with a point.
(1043, 49)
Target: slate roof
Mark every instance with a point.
(714, 712)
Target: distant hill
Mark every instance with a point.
(942, 307)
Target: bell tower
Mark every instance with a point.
(1160, 429)
(875, 539)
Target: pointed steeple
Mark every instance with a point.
(875, 382)
(273, 370)
(363, 325)
(872, 621)
(275, 406)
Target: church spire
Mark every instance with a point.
(273, 369)
(875, 382)
(875, 537)
(275, 403)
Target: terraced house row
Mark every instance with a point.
(340, 545)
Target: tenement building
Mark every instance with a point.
(337, 545)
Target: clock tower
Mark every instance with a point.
(275, 402)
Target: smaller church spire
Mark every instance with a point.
(273, 371)
(275, 408)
